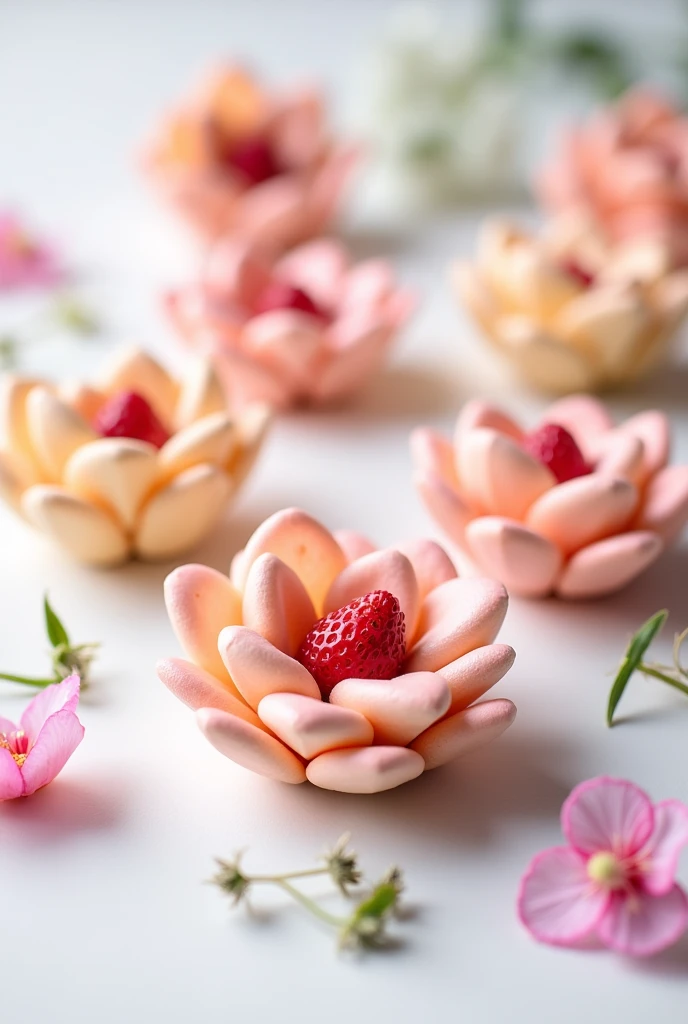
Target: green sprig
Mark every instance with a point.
(66, 658)
(673, 675)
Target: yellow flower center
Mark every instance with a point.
(18, 745)
(606, 870)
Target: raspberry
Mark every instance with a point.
(128, 414)
(362, 640)
(554, 447)
(254, 159)
(282, 295)
(579, 273)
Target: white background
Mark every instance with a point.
(104, 917)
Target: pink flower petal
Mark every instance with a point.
(665, 845)
(258, 668)
(57, 741)
(444, 504)
(354, 545)
(433, 454)
(608, 814)
(643, 924)
(318, 268)
(431, 564)
(59, 696)
(197, 688)
(249, 746)
(556, 901)
(381, 570)
(7, 726)
(276, 604)
(11, 781)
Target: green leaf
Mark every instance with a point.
(640, 642)
(57, 634)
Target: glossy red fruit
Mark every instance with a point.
(254, 159)
(128, 414)
(578, 272)
(282, 295)
(363, 640)
(555, 448)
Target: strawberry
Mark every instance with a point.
(254, 159)
(128, 414)
(581, 275)
(362, 640)
(554, 447)
(282, 295)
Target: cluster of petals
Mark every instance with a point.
(258, 705)
(297, 200)
(628, 168)
(105, 499)
(615, 881)
(583, 538)
(286, 356)
(569, 313)
(25, 261)
(35, 751)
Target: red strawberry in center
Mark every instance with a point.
(578, 272)
(282, 295)
(554, 447)
(254, 159)
(363, 640)
(128, 414)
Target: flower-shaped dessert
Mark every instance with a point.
(308, 327)
(35, 751)
(321, 658)
(577, 506)
(628, 167)
(25, 261)
(139, 465)
(569, 313)
(234, 158)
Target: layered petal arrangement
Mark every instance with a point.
(235, 159)
(569, 312)
(578, 507)
(628, 168)
(324, 659)
(139, 465)
(35, 751)
(308, 327)
(615, 881)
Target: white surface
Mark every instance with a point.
(104, 917)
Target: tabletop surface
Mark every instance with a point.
(104, 914)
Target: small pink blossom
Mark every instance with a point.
(616, 879)
(25, 261)
(35, 751)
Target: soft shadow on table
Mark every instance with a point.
(666, 389)
(672, 963)
(64, 808)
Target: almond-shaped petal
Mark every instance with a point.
(14, 430)
(365, 770)
(196, 688)
(621, 455)
(11, 781)
(319, 268)
(556, 902)
(117, 472)
(179, 515)
(55, 429)
(356, 352)
(664, 847)
(201, 394)
(200, 602)
(643, 924)
(524, 561)
(87, 532)
(583, 510)
(433, 453)
(583, 416)
(249, 746)
(246, 381)
(472, 675)
(276, 605)
(310, 726)
(464, 731)
(354, 545)
(605, 814)
(287, 341)
(16, 474)
(56, 742)
(498, 475)
(609, 564)
(213, 439)
(382, 570)
(542, 360)
(431, 564)
(62, 696)
(130, 369)
(607, 324)
(258, 668)
(477, 413)
(652, 428)
(445, 505)
(455, 618)
(252, 425)
(664, 510)
(398, 709)
(83, 399)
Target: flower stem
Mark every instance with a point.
(28, 680)
(309, 904)
(311, 872)
(656, 674)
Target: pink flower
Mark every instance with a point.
(309, 327)
(616, 878)
(24, 261)
(35, 751)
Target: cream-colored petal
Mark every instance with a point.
(463, 732)
(201, 394)
(14, 430)
(213, 439)
(113, 471)
(498, 475)
(310, 727)
(259, 668)
(472, 675)
(130, 369)
(365, 770)
(665, 504)
(16, 474)
(398, 709)
(252, 425)
(276, 605)
(179, 515)
(583, 510)
(381, 570)
(431, 564)
(542, 360)
(607, 325)
(83, 399)
(609, 565)
(525, 562)
(85, 530)
(476, 293)
(56, 431)
(200, 689)
(249, 746)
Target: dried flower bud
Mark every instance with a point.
(342, 864)
(231, 880)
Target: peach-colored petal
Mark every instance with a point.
(258, 668)
(276, 604)
(83, 399)
(433, 453)
(114, 471)
(179, 515)
(477, 413)
(349, 365)
(366, 770)
(652, 427)
(398, 709)
(431, 564)
(200, 602)
(287, 342)
(55, 429)
(609, 565)
(252, 426)
(249, 746)
(319, 268)
(16, 475)
(272, 213)
(310, 727)
(201, 394)
(213, 439)
(381, 570)
(199, 689)
(444, 504)
(665, 504)
(354, 545)
(453, 737)
(246, 381)
(583, 416)
(298, 129)
(472, 675)
(621, 455)
(87, 532)
(456, 617)
(236, 268)
(368, 284)
(14, 429)
(583, 510)
(498, 475)
(525, 562)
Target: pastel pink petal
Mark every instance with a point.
(472, 675)
(273, 212)
(287, 342)
(621, 455)
(444, 504)
(464, 731)
(7, 726)
(607, 814)
(583, 416)
(665, 504)
(477, 413)
(381, 570)
(297, 130)
(584, 510)
(328, 184)
(311, 726)
(56, 742)
(431, 564)
(258, 668)
(353, 356)
(433, 454)
(249, 746)
(11, 781)
(319, 268)
(398, 709)
(643, 924)
(365, 770)
(455, 618)
(664, 846)
(354, 545)
(556, 902)
(58, 697)
(246, 381)
(609, 564)
(524, 561)
(199, 689)
(498, 476)
(652, 427)
(368, 284)
(276, 604)
(233, 270)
